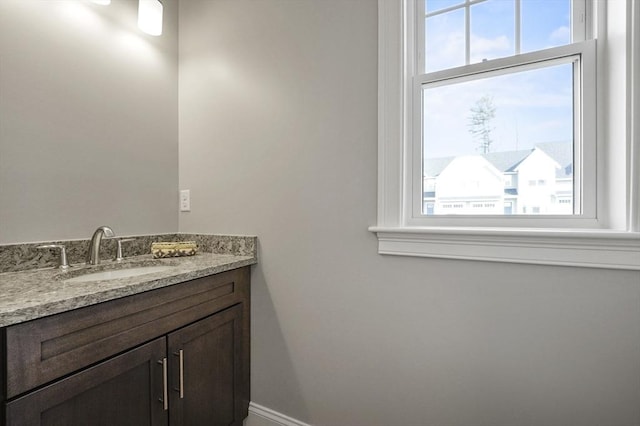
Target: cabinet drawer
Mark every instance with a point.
(48, 348)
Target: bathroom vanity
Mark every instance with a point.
(166, 348)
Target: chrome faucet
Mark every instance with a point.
(94, 247)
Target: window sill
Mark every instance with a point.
(584, 248)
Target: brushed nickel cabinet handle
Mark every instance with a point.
(165, 397)
(180, 355)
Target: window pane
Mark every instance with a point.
(433, 5)
(492, 30)
(545, 23)
(500, 145)
(444, 41)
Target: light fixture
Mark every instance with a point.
(150, 16)
(102, 2)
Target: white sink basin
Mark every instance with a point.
(118, 273)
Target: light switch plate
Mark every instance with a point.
(185, 200)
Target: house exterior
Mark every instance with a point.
(534, 181)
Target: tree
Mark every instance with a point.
(482, 114)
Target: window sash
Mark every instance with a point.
(584, 138)
(580, 14)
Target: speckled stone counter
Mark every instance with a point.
(35, 293)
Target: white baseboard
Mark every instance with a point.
(263, 416)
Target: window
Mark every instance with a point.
(498, 94)
(499, 91)
(459, 81)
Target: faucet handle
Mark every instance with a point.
(119, 256)
(63, 264)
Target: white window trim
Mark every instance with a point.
(615, 245)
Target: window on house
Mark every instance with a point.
(508, 207)
(499, 87)
(429, 208)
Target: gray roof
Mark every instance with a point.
(562, 152)
(435, 166)
(507, 161)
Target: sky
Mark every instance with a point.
(531, 107)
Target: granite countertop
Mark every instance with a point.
(38, 293)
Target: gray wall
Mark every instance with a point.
(88, 120)
(278, 138)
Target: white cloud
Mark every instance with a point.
(447, 50)
(489, 46)
(560, 34)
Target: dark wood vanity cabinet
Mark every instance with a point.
(174, 356)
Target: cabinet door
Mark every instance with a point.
(206, 371)
(126, 390)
